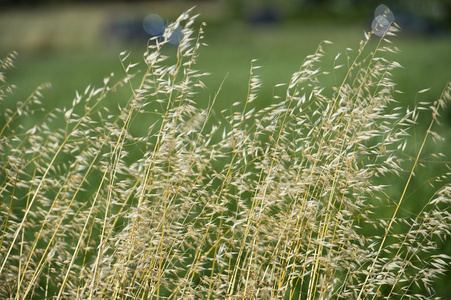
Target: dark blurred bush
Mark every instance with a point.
(420, 15)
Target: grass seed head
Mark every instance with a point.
(293, 201)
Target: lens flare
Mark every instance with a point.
(383, 18)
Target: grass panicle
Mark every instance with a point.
(161, 199)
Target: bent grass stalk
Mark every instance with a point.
(278, 203)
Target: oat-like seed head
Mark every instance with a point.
(292, 201)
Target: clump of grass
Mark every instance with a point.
(284, 203)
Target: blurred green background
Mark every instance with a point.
(75, 43)
(72, 44)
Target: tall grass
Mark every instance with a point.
(161, 199)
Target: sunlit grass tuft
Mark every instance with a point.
(287, 202)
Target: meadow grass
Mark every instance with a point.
(158, 197)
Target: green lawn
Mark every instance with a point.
(231, 47)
